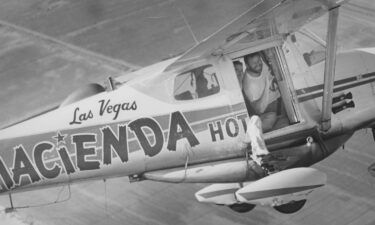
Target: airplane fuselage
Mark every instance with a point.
(138, 128)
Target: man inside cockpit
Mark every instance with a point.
(260, 89)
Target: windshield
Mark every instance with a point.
(196, 83)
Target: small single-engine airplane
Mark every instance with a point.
(191, 119)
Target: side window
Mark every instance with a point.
(197, 83)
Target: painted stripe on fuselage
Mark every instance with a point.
(308, 93)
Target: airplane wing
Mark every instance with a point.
(264, 19)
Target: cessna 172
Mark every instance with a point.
(186, 119)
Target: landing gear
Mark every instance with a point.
(290, 207)
(287, 208)
(242, 207)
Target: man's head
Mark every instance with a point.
(238, 67)
(254, 62)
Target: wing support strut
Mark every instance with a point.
(329, 68)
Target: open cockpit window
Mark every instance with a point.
(265, 89)
(196, 83)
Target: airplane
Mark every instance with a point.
(187, 119)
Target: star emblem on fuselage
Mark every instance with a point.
(59, 138)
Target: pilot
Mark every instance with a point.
(260, 89)
(201, 87)
(238, 67)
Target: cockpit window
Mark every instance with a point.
(197, 83)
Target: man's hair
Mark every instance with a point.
(251, 55)
(237, 63)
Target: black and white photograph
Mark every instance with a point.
(187, 112)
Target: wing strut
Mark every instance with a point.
(329, 68)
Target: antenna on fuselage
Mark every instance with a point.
(11, 208)
(110, 84)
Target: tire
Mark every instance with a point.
(242, 207)
(290, 207)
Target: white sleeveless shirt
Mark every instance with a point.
(259, 90)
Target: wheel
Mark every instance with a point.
(290, 207)
(242, 207)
